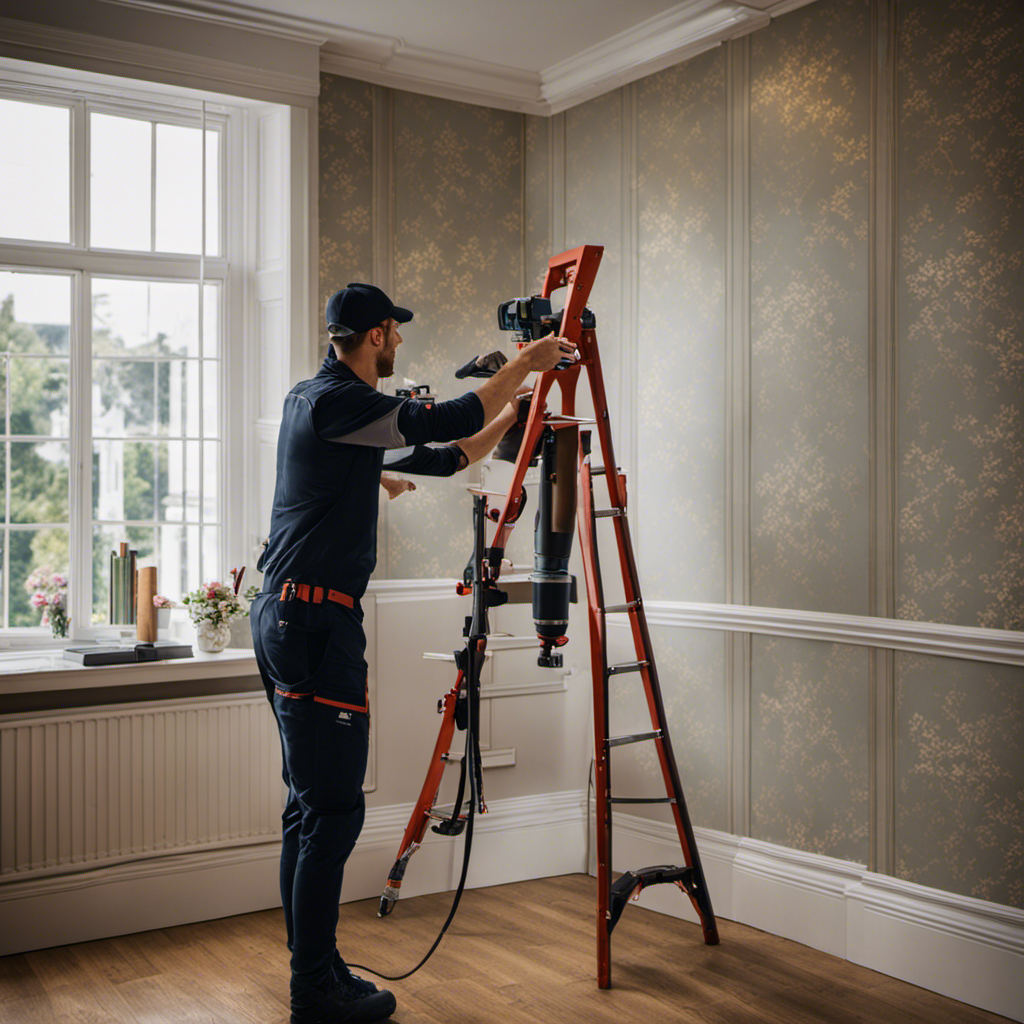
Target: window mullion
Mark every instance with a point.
(80, 512)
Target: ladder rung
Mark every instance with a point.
(444, 817)
(604, 513)
(642, 799)
(637, 737)
(629, 666)
(560, 420)
(612, 609)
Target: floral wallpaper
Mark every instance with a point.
(809, 120)
(680, 400)
(960, 92)
(809, 750)
(960, 795)
(474, 215)
(457, 254)
(456, 251)
(691, 669)
(346, 187)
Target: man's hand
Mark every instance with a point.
(547, 352)
(395, 485)
(543, 354)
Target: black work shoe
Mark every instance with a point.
(350, 1000)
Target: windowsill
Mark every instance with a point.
(41, 670)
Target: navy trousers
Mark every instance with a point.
(312, 665)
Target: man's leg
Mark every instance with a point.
(326, 758)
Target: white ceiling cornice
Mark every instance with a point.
(668, 38)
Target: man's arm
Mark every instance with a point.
(543, 354)
(484, 442)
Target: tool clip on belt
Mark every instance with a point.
(314, 595)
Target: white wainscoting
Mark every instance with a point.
(964, 948)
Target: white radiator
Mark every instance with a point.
(97, 786)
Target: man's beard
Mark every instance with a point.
(385, 364)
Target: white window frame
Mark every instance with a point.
(82, 94)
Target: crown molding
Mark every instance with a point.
(668, 38)
(68, 47)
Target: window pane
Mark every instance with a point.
(126, 479)
(178, 560)
(211, 321)
(124, 398)
(212, 193)
(35, 174)
(213, 569)
(35, 315)
(179, 189)
(31, 551)
(211, 398)
(141, 318)
(120, 151)
(178, 389)
(211, 481)
(39, 396)
(39, 481)
(179, 497)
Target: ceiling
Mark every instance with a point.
(535, 56)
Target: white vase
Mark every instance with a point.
(212, 638)
(163, 619)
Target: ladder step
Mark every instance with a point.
(642, 799)
(637, 737)
(604, 513)
(629, 666)
(612, 609)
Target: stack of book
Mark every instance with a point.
(123, 583)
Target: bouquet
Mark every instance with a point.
(215, 603)
(49, 592)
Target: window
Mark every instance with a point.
(115, 284)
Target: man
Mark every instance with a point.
(307, 623)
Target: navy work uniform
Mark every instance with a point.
(336, 434)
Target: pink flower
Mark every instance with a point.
(38, 600)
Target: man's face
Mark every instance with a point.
(386, 355)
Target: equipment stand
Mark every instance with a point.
(576, 270)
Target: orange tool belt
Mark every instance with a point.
(314, 595)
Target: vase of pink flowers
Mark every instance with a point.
(163, 606)
(49, 593)
(211, 608)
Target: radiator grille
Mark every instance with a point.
(107, 785)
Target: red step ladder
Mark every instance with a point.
(576, 270)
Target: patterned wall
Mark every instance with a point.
(809, 750)
(456, 251)
(961, 347)
(680, 413)
(346, 187)
(809, 118)
(959, 800)
(959, 440)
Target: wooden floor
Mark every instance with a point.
(516, 954)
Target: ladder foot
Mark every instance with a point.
(631, 882)
(388, 899)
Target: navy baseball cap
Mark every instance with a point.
(358, 307)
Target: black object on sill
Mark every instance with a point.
(122, 654)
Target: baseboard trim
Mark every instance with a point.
(522, 837)
(964, 948)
